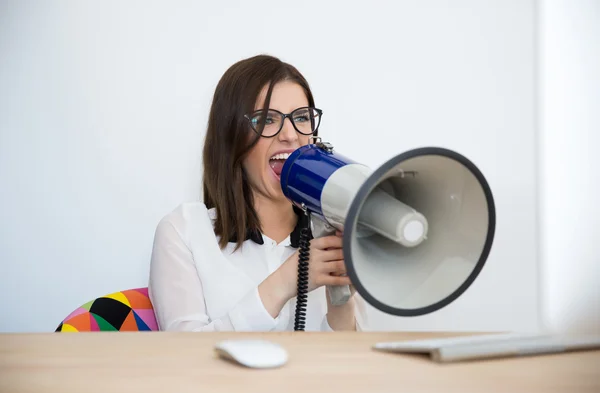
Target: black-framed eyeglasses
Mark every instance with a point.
(268, 123)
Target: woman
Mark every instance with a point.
(230, 263)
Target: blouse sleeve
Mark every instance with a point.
(175, 290)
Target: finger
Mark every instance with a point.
(336, 267)
(337, 280)
(327, 242)
(334, 254)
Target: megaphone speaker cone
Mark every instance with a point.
(431, 217)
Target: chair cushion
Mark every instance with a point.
(128, 310)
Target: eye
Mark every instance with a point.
(301, 117)
(258, 119)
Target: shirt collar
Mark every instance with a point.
(303, 222)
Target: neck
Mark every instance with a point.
(277, 218)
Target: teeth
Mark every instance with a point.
(281, 156)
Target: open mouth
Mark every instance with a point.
(276, 163)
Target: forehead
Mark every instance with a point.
(285, 97)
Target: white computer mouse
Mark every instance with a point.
(253, 353)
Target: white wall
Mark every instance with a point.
(103, 105)
(570, 164)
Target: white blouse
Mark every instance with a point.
(196, 286)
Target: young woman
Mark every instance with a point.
(230, 263)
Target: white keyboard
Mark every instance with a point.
(494, 345)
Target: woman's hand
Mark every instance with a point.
(325, 267)
(352, 288)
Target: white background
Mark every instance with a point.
(103, 107)
(569, 108)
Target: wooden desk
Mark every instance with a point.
(319, 362)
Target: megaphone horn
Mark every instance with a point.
(417, 230)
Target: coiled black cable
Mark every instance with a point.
(302, 296)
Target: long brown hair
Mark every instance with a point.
(229, 138)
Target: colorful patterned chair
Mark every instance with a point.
(129, 310)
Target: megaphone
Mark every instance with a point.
(416, 231)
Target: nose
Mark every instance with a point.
(288, 132)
